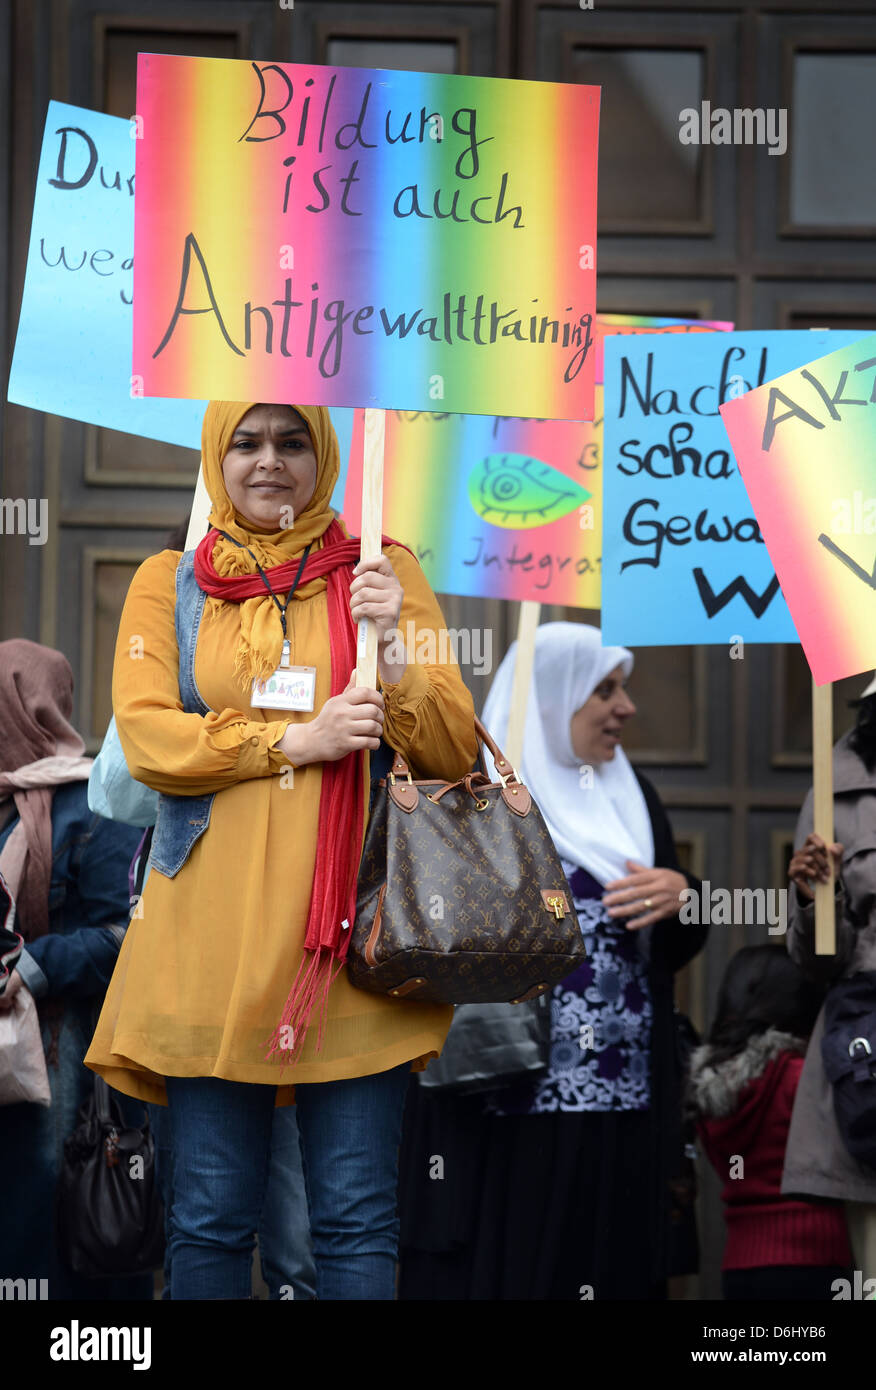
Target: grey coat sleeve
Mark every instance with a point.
(801, 920)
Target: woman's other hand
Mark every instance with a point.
(376, 593)
(645, 896)
(810, 865)
(13, 985)
(346, 723)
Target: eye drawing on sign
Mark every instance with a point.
(517, 492)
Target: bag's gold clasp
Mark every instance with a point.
(556, 902)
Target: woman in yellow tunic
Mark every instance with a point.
(235, 913)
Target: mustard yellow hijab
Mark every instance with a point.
(260, 631)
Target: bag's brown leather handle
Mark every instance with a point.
(504, 767)
(404, 793)
(400, 768)
(514, 794)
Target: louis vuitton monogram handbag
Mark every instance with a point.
(462, 898)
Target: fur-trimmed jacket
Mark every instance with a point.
(744, 1106)
(714, 1091)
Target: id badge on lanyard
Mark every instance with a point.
(288, 687)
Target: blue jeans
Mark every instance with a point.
(284, 1228)
(285, 1247)
(350, 1133)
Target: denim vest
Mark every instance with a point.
(183, 819)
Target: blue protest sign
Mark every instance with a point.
(73, 350)
(683, 559)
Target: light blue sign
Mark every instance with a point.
(683, 560)
(73, 350)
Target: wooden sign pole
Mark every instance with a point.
(822, 796)
(199, 513)
(527, 626)
(372, 530)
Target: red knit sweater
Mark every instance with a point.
(763, 1227)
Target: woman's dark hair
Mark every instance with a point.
(762, 988)
(862, 739)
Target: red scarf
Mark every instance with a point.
(341, 804)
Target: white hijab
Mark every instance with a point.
(598, 826)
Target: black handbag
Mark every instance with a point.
(110, 1215)
(848, 1051)
(491, 1045)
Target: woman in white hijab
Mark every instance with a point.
(574, 1169)
(573, 762)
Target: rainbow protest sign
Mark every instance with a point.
(806, 445)
(500, 507)
(495, 507)
(631, 325)
(353, 237)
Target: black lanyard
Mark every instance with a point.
(281, 607)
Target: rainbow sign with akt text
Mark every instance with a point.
(806, 445)
(501, 507)
(346, 236)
